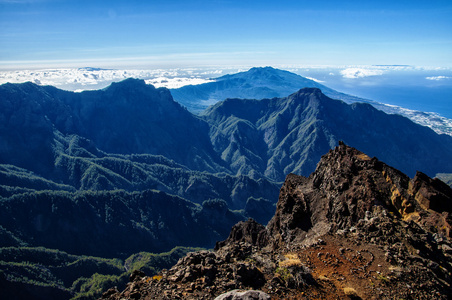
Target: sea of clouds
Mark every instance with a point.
(81, 79)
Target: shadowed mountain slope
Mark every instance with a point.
(126, 117)
(113, 223)
(273, 137)
(59, 184)
(72, 134)
(154, 144)
(269, 137)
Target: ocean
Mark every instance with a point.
(428, 90)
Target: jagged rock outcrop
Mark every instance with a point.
(355, 228)
(199, 275)
(249, 232)
(346, 187)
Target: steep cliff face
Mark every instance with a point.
(355, 228)
(349, 186)
(26, 132)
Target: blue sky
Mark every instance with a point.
(59, 33)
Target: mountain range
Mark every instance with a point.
(267, 82)
(113, 172)
(261, 138)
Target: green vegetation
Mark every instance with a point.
(383, 279)
(136, 173)
(284, 273)
(81, 200)
(111, 223)
(94, 286)
(82, 277)
(17, 180)
(147, 262)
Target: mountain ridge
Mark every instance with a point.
(356, 228)
(268, 137)
(294, 132)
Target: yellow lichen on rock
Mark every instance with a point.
(351, 292)
(401, 203)
(290, 261)
(363, 156)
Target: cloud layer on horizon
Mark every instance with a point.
(81, 79)
(353, 73)
(438, 78)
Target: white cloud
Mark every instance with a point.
(213, 72)
(176, 82)
(438, 78)
(94, 78)
(360, 72)
(314, 79)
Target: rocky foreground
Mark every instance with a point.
(354, 228)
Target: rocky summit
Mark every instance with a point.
(355, 228)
